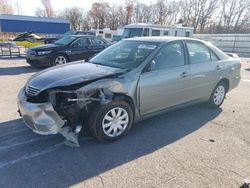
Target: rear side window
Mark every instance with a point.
(199, 53)
(96, 41)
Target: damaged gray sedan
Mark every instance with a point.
(131, 80)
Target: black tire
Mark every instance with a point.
(58, 56)
(212, 103)
(97, 117)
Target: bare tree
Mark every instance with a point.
(142, 13)
(76, 17)
(160, 11)
(129, 7)
(18, 9)
(6, 7)
(211, 16)
(113, 16)
(208, 8)
(165, 12)
(47, 9)
(198, 13)
(98, 13)
(234, 15)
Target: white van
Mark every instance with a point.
(138, 30)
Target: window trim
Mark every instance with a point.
(211, 51)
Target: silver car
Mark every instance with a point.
(129, 81)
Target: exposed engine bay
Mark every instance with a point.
(74, 107)
(73, 104)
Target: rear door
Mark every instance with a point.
(96, 46)
(205, 69)
(165, 83)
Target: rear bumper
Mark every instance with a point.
(39, 61)
(40, 117)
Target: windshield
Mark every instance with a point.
(125, 54)
(69, 33)
(132, 32)
(65, 40)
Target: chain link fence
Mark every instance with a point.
(233, 43)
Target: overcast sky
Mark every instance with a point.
(29, 6)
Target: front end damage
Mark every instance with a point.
(63, 110)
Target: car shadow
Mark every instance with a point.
(4, 71)
(30, 160)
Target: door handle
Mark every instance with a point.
(184, 74)
(218, 67)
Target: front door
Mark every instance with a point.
(165, 83)
(79, 49)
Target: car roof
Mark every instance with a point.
(83, 35)
(161, 39)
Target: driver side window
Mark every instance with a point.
(171, 55)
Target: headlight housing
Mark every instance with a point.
(44, 52)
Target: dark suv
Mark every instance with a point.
(67, 49)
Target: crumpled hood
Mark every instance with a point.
(72, 73)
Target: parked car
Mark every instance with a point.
(129, 81)
(50, 40)
(67, 49)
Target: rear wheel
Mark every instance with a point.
(111, 121)
(218, 95)
(60, 60)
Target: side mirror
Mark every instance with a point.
(75, 45)
(150, 67)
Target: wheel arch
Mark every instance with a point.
(126, 98)
(60, 53)
(226, 82)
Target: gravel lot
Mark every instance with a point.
(170, 150)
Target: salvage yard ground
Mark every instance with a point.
(170, 150)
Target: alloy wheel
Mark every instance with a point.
(60, 60)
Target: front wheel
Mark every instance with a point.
(111, 121)
(218, 95)
(60, 60)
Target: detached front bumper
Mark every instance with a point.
(40, 117)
